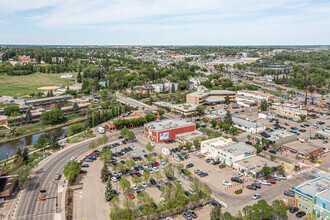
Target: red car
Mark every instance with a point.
(138, 174)
(83, 171)
(270, 181)
(156, 163)
(131, 195)
(120, 137)
(92, 154)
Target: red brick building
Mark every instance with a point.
(165, 130)
(25, 59)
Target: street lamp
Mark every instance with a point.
(56, 194)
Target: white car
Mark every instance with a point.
(145, 167)
(155, 168)
(133, 147)
(162, 200)
(192, 191)
(114, 179)
(119, 174)
(177, 159)
(226, 183)
(264, 182)
(73, 157)
(280, 177)
(238, 174)
(141, 172)
(197, 171)
(114, 173)
(134, 187)
(169, 218)
(143, 184)
(326, 150)
(256, 196)
(150, 170)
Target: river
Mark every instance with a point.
(8, 149)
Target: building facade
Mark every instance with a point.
(205, 96)
(166, 130)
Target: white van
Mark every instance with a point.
(101, 130)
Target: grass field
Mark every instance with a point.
(24, 85)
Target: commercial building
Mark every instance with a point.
(277, 137)
(145, 89)
(186, 109)
(289, 110)
(324, 132)
(248, 125)
(7, 184)
(313, 196)
(166, 130)
(254, 165)
(205, 96)
(47, 103)
(227, 151)
(303, 149)
(189, 136)
(25, 59)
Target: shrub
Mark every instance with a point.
(239, 191)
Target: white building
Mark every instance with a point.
(324, 132)
(168, 87)
(66, 76)
(227, 151)
(248, 125)
(198, 80)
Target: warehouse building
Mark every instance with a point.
(165, 130)
(209, 97)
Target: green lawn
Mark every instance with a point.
(24, 85)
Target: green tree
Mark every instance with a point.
(280, 208)
(168, 171)
(214, 123)
(200, 109)
(196, 143)
(105, 173)
(106, 155)
(23, 175)
(124, 184)
(281, 170)
(161, 111)
(42, 141)
(54, 116)
(92, 145)
(216, 213)
(264, 105)
(130, 163)
(146, 176)
(188, 145)
(10, 109)
(266, 170)
(71, 170)
(28, 116)
(228, 118)
(226, 127)
(79, 77)
(233, 130)
(272, 157)
(25, 155)
(227, 100)
(109, 194)
(75, 107)
(150, 147)
(150, 117)
(53, 139)
(248, 137)
(302, 117)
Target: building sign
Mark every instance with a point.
(164, 136)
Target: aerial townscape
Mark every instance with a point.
(158, 126)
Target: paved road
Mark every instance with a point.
(29, 206)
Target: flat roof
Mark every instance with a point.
(238, 149)
(315, 187)
(49, 99)
(306, 147)
(166, 124)
(210, 92)
(278, 134)
(247, 123)
(256, 163)
(218, 142)
(215, 99)
(185, 106)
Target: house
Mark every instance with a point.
(197, 80)
(205, 96)
(145, 89)
(24, 59)
(166, 87)
(313, 196)
(66, 76)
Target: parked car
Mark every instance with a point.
(289, 193)
(143, 184)
(238, 174)
(251, 187)
(114, 179)
(258, 186)
(197, 171)
(186, 215)
(264, 182)
(153, 181)
(272, 151)
(203, 174)
(189, 165)
(236, 179)
(226, 183)
(84, 165)
(221, 166)
(159, 186)
(131, 195)
(293, 209)
(300, 214)
(82, 171)
(215, 203)
(192, 213)
(256, 196)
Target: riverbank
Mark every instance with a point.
(41, 128)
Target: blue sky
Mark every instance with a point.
(165, 22)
